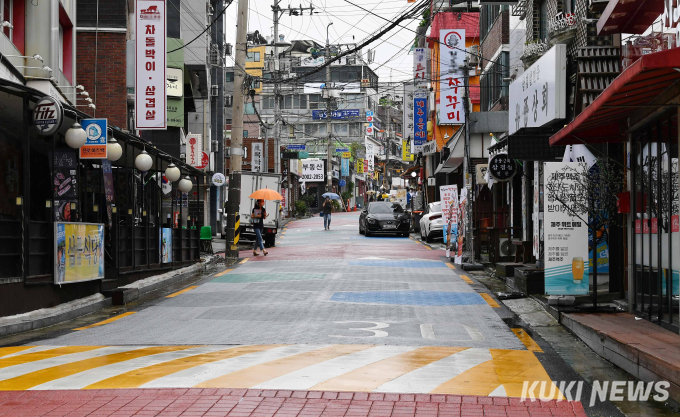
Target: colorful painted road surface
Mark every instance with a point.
(330, 324)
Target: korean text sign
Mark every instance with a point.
(449, 203)
(345, 167)
(420, 67)
(95, 145)
(452, 76)
(407, 117)
(150, 65)
(538, 96)
(79, 252)
(194, 149)
(313, 170)
(566, 235)
(257, 158)
(420, 120)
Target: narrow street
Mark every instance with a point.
(330, 311)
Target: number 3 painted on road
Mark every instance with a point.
(374, 329)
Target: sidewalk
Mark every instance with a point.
(643, 349)
(270, 403)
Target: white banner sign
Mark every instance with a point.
(194, 149)
(449, 201)
(452, 53)
(150, 65)
(420, 67)
(313, 170)
(430, 147)
(538, 96)
(257, 158)
(566, 236)
(370, 153)
(407, 117)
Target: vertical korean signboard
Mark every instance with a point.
(452, 76)
(420, 67)
(194, 149)
(370, 152)
(150, 66)
(420, 117)
(256, 160)
(407, 117)
(566, 235)
(344, 167)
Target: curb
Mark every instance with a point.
(50, 316)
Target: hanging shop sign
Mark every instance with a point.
(257, 158)
(538, 96)
(370, 130)
(481, 170)
(194, 149)
(407, 109)
(360, 166)
(336, 114)
(420, 120)
(370, 153)
(48, 116)
(566, 235)
(175, 82)
(369, 116)
(406, 154)
(151, 89)
(95, 145)
(430, 147)
(344, 166)
(205, 160)
(78, 252)
(313, 170)
(420, 67)
(341, 150)
(452, 54)
(218, 179)
(462, 206)
(296, 147)
(502, 168)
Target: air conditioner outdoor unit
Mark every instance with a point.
(214, 90)
(474, 55)
(214, 146)
(505, 247)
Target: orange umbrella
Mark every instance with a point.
(266, 194)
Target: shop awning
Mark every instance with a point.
(629, 16)
(637, 87)
(456, 154)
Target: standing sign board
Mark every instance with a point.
(95, 145)
(256, 159)
(420, 117)
(79, 252)
(461, 226)
(150, 67)
(194, 149)
(313, 170)
(538, 96)
(566, 237)
(452, 54)
(449, 203)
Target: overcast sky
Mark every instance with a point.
(393, 58)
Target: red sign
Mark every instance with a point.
(205, 160)
(637, 227)
(645, 227)
(675, 223)
(655, 226)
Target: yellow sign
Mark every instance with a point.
(347, 155)
(406, 154)
(360, 166)
(79, 252)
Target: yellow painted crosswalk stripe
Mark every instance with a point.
(372, 376)
(466, 279)
(450, 265)
(249, 377)
(139, 377)
(12, 349)
(527, 340)
(107, 321)
(226, 271)
(46, 354)
(490, 300)
(244, 260)
(181, 291)
(33, 379)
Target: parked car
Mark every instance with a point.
(431, 223)
(384, 217)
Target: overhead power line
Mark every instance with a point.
(204, 30)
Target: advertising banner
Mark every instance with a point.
(406, 154)
(108, 188)
(313, 170)
(461, 225)
(407, 116)
(165, 245)
(420, 67)
(151, 61)
(345, 167)
(95, 145)
(360, 166)
(452, 53)
(257, 159)
(449, 202)
(566, 251)
(370, 152)
(194, 149)
(79, 252)
(420, 120)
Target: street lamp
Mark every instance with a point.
(113, 150)
(143, 161)
(172, 173)
(76, 136)
(185, 184)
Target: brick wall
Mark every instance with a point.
(111, 100)
(247, 142)
(498, 35)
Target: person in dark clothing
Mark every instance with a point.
(327, 210)
(257, 219)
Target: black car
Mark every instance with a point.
(384, 217)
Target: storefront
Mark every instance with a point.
(72, 226)
(640, 110)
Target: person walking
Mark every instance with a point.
(257, 219)
(327, 210)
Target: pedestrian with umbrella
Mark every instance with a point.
(258, 215)
(328, 209)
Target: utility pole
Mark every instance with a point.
(468, 244)
(329, 109)
(236, 154)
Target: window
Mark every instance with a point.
(355, 129)
(543, 22)
(228, 101)
(245, 133)
(268, 102)
(255, 84)
(340, 129)
(253, 57)
(6, 16)
(315, 102)
(228, 77)
(351, 101)
(249, 108)
(315, 130)
(295, 101)
(492, 85)
(488, 16)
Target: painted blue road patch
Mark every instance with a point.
(414, 298)
(398, 264)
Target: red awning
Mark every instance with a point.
(629, 16)
(605, 119)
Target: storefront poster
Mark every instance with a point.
(65, 175)
(79, 252)
(449, 203)
(566, 253)
(166, 245)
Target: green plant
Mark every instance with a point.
(300, 207)
(350, 187)
(346, 195)
(336, 205)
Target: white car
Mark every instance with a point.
(431, 223)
